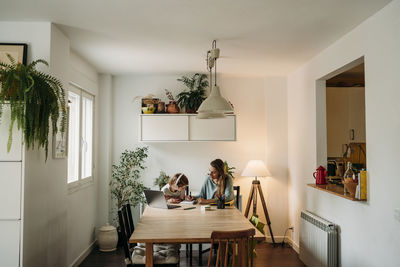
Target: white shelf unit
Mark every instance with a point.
(11, 194)
(186, 128)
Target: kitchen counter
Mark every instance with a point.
(335, 190)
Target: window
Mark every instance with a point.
(80, 136)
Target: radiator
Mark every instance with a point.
(318, 241)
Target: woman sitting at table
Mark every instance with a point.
(218, 182)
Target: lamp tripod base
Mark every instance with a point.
(256, 188)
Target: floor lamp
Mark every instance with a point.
(256, 168)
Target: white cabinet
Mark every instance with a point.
(218, 129)
(10, 190)
(186, 127)
(10, 232)
(11, 194)
(164, 127)
(16, 147)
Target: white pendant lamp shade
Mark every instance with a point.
(256, 168)
(215, 104)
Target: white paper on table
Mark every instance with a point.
(187, 202)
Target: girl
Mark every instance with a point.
(174, 191)
(218, 182)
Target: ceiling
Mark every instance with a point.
(351, 78)
(256, 37)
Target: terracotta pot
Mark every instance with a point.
(161, 107)
(172, 107)
(107, 238)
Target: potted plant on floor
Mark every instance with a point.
(193, 98)
(36, 100)
(161, 180)
(125, 184)
(229, 169)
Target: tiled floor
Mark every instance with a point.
(267, 255)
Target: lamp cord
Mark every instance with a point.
(209, 68)
(283, 241)
(214, 46)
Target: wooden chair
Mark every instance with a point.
(237, 199)
(128, 222)
(201, 251)
(123, 216)
(237, 245)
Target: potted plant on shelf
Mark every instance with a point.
(172, 107)
(161, 180)
(193, 98)
(36, 100)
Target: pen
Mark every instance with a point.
(190, 208)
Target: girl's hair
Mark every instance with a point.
(219, 165)
(179, 179)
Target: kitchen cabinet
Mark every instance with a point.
(186, 128)
(345, 117)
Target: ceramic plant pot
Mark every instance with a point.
(161, 107)
(107, 238)
(172, 107)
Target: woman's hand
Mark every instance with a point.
(202, 201)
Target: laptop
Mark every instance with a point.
(156, 199)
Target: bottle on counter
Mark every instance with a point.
(349, 171)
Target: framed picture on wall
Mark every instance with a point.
(17, 51)
(60, 141)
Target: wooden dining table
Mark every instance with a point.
(186, 226)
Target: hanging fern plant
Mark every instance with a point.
(36, 101)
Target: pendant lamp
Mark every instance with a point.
(215, 106)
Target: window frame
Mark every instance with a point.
(82, 182)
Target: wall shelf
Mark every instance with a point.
(186, 128)
(335, 190)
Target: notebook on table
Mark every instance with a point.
(156, 199)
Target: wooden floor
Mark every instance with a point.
(267, 256)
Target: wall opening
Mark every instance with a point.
(341, 136)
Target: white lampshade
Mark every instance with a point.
(214, 106)
(256, 168)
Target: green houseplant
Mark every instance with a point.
(229, 170)
(36, 101)
(193, 98)
(161, 180)
(126, 185)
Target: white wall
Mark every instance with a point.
(370, 234)
(82, 203)
(254, 135)
(44, 232)
(57, 226)
(104, 148)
